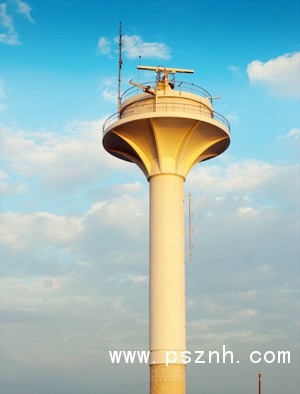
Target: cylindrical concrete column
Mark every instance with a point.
(167, 284)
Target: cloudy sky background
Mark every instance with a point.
(74, 221)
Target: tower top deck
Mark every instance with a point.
(166, 126)
(165, 86)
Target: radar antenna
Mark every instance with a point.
(166, 70)
(162, 79)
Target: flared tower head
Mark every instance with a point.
(166, 126)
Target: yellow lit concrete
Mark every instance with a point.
(167, 267)
(166, 133)
(167, 380)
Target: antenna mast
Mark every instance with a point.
(120, 69)
(139, 69)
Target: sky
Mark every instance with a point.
(74, 220)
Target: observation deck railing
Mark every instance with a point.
(180, 86)
(156, 106)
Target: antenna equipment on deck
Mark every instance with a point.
(146, 89)
(167, 70)
(165, 77)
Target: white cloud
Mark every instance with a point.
(134, 46)
(291, 141)
(64, 161)
(247, 211)
(110, 95)
(108, 90)
(293, 134)
(122, 213)
(2, 91)
(10, 37)
(9, 186)
(109, 81)
(76, 284)
(24, 9)
(234, 69)
(232, 118)
(130, 188)
(257, 196)
(140, 279)
(3, 175)
(280, 75)
(103, 46)
(18, 231)
(235, 177)
(2, 95)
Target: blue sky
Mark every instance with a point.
(74, 220)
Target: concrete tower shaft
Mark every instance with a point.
(166, 132)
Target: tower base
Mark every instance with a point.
(167, 379)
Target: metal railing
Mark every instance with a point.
(134, 90)
(110, 120)
(192, 88)
(180, 86)
(153, 106)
